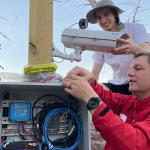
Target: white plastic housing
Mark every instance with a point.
(93, 40)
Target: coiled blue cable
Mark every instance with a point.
(77, 120)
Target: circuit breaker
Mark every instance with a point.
(30, 110)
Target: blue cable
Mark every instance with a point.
(40, 145)
(74, 116)
(2, 144)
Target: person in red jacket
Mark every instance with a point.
(122, 120)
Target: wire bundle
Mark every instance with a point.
(41, 125)
(76, 119)
(40, 116)
(49, 110)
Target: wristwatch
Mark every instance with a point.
(93, 103)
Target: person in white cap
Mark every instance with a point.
(106, 14)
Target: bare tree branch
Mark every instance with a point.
(10, 24)
(143, 10)
(82, 5)
(136, 7)
(130, 15)
(8, 21)
(92, 2)
(71, 14)
(4, 36)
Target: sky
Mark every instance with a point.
(14, 24)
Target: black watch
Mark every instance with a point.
(93, 103)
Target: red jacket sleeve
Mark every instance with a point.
(120, 135)
(115, 101)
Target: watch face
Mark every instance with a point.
(93, 102)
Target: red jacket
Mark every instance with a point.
(126, 126)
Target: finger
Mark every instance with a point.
(119, 52)
(71, 79)
(65, 83)
(68, 75)
(69, 91)
(122, 41)
(75, 77)
(123, 47)
(76, 70)
(69, 85)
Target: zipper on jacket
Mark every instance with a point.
(133, 113)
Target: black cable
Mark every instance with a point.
(21, 135)
(29, 134)
(33, 120)
(47, 107)
(72, 103)
(46, 110)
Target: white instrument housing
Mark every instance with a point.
(92, 40)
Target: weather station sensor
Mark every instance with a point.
(91, 40)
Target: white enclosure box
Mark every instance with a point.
(21, 91)
(93, 40)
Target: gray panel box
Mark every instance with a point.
(23, 91)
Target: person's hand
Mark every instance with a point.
(88, 76)
(78, 87)
(128, 47)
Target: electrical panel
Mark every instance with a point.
(31, 110)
